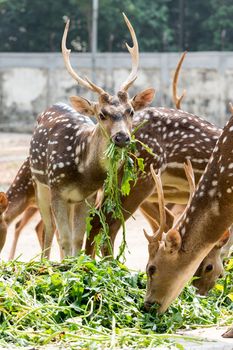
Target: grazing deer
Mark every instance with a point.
(175, 256)
(67, 151)
(211, 268)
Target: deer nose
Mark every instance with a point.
(121, 139)
(147, 305)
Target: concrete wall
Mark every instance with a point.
(31, 82)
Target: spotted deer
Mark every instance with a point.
(174, 256)
(211, 268)
(67, 159)
(174, 136)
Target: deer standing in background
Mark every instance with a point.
(174, 136)
(67, 151)
(175, 256)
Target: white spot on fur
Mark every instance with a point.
(212, 192)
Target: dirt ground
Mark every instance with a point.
(13, 150)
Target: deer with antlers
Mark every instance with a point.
(67, 151)
(174, 256)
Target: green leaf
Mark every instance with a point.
(140, 162)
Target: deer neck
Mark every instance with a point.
(210, 212)
(90, 148)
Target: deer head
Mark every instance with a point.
(175, 256)
(211, 268)
(164, 246)
(114, 113)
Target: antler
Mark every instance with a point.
(134, 52)
(66, 55)
(176, 99)
(191, 180)
(162, 212)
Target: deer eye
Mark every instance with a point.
(209, 268)
(151, 270)
(130, 112)
(102, 116)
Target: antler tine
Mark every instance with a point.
(134, 52)
(191, 180)
(176, 99)
(162, 212)
(66, 56)
(231, 108)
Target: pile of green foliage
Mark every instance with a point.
(86, 304)
(125, 161)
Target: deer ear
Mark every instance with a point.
(3, 202)
(223, 240)
(82, 105)
(143, 99)
(173, 241)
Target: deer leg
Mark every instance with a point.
(58, 241)
(80, 213)
(16, 207)
(138, 193)
(226, 249)
(43, 201)
(28, 214)
(62, 210)
(40, 233)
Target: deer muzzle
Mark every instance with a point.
(121, 139)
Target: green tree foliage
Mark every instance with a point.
(161, 25)
(150, 20)
(37, 25)
(220, 23)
